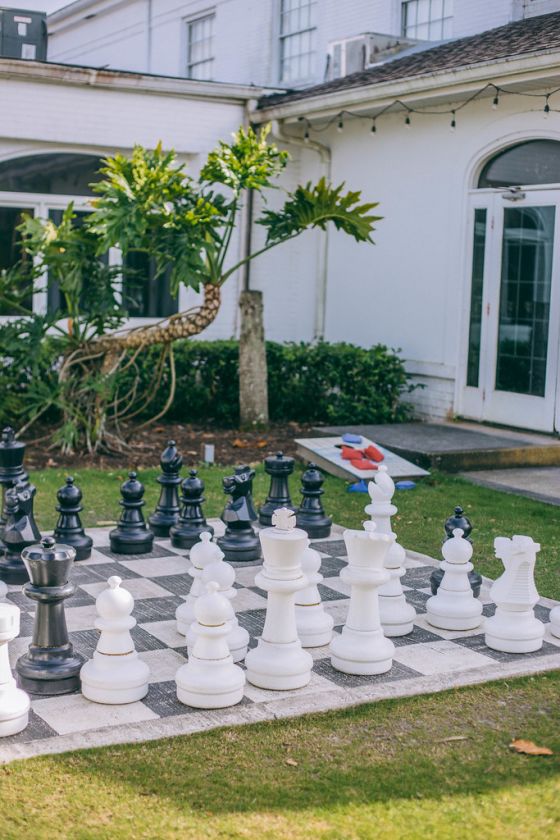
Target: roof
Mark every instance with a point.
(523, 37)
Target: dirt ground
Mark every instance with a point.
(232, 446)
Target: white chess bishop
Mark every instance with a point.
(210, 680)
(454, 607)
(116, 674)
(238, 639)
(555, 621)
(362, 648)
(279, 661)
(14, 703)
(314, 624)
(514, 628)
(202, 554)
(397, 616)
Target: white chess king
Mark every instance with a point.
(14, 703)
(397, 616)
(514, 628)
(454, 607)
(116, 674)
(201, 555)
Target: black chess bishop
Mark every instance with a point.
(132, 535)
(240, 543)
(69, 529)
(191, 521)
(311, 516)
(457, 520)
(279, 467)
(166, 513)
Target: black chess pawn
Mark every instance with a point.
(457, 520)
(310, 516)
(12, 453)
(191, 521)
(240, 542)
(20, 531)
(279, 467)
(69, 529)
(132, 535)
(50, 666)
(166, 513)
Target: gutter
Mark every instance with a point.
(324, 153)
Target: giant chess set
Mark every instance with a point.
(174, 624)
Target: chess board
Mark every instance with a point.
(427, 660)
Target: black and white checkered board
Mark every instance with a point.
(427, 660)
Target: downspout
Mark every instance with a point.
(324, 153)
(149, 24)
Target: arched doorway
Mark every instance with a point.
(511, 365)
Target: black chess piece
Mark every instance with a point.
(240, 542)
(69, 529)
(20, 531)
(50, 666)
(191, 521)
(166, 513)
(279, 467)
(457, 520)
(12, 453)
(310, 516)
(132, 535)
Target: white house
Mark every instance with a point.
(459, 141)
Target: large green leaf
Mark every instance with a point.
(249, 162)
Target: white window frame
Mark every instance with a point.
(284, 38)
(433, 19)
(209, 14)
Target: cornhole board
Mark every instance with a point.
(323, 451)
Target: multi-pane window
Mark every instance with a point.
(297, 40)
(200, 47)
(427, 20)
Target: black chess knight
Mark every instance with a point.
(279, 467)
(69, 530)
(310, 516)
(132, 535)
(240, 542)
(191, 521)
(12, 453)
(20, 531)
(457, 520)
(166, 513)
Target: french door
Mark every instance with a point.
(511, 366)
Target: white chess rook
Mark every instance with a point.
(514, 628)
(116, 674)
(201, 555)
(238, 639)
(279, 661)
(454, 607)
(362, 648)
(314, 625)
(14, 703)
(210, 680)
(397, 615)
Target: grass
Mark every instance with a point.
(419, 522)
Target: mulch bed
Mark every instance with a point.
(232, 446)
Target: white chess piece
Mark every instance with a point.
(116, 674)
(514, 628)
(362, 648)
(224, 575)
(314, 625)
(397, 616)
(3, 591)
(279, 661)
(14, 703)
(210, 680)
(454, 607)
(202, 554)
(555, 621)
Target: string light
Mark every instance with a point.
(373, 127)
(546, 105)
(306, 136)
(453, 123)
(407, 120)
(340, 126)
(495, 102)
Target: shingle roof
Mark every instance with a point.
(520, 38)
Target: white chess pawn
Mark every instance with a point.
(362, 648)
(238, 639)
(397, 615)
(514, 628)
(555, 621)
(279, 661)
(14, 703)
(116, 674)
(210, 680)
(3, 591)
(314, 625)
(202, 554)
(454, 607)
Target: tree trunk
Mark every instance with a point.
(253, 380)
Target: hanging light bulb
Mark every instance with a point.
(373, 127)
(407, 120)
(453, 123)
(340, 126)
(546, 107)
(495, 101)
(306, 135)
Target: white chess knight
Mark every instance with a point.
(210, 680)
(279, 661)
(238, 639)
(202, 554)
(116, 674)
(14, 703)
(454, 607)
(514, 628)
(397, 616)
(362, 647)
(314, 624)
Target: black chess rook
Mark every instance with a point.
(279, 467)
